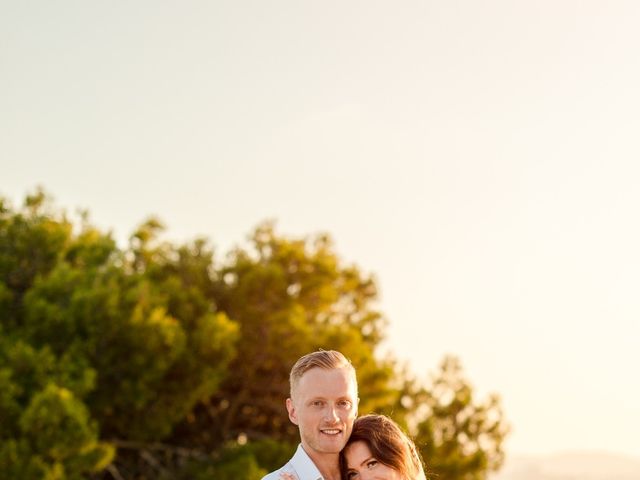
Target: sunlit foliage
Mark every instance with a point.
(158, 361)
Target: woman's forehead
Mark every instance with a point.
(356, 453)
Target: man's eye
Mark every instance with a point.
(345, 403)
(317, 403)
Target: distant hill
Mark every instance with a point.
(570, 466)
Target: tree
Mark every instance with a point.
(156, 361)
(105, 343)
(458, 437)
(45, 428)
(289, 297)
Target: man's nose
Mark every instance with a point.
(332, 414)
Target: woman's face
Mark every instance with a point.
(362, 465)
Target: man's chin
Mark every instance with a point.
(325, 443)
(335, 441)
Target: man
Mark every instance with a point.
(323, 403)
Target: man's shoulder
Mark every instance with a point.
(300, 467)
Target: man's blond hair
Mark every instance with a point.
(325, 359)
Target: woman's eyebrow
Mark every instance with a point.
(366, 460)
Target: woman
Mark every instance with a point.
(379, 449)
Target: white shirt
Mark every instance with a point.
(300, 465)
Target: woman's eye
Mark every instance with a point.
(372, 463)
(351, 475)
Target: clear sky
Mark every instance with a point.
(482, 159)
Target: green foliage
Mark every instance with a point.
(53, 437)
(155, 361)
(289, 297)
(460, 438)
(250, 461)
(98, 342)
(58, 427)
(269, 453)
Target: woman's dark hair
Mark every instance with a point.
(388, 444)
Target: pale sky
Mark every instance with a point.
(480, 158)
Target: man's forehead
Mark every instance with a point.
(335, 381)
(334, 373)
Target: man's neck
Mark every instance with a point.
(327, 463)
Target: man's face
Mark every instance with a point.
(324, 405)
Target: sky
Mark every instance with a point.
(480, 159)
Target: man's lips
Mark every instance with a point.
(331, 431)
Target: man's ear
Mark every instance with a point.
(293, 416)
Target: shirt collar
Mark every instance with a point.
(304, 466)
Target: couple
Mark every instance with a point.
(323, 403)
